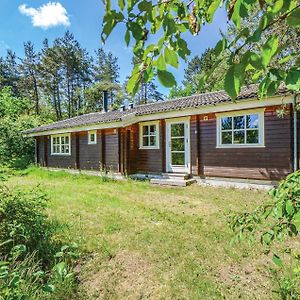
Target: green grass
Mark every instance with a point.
(147, 242)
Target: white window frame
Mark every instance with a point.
(89, 137)
(60, 145)
(261, 128)
(141, 125)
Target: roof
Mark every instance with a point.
(194, 101)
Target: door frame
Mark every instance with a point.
(187, 167)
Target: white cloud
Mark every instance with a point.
(48, 15)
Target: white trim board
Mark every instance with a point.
(132, 119)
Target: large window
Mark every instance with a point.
(241, 129)
(61, 144)
(149, 135)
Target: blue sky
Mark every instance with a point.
(20, 22)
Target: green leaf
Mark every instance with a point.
(269, 50)
(296, 220)
(121, 4)
(212, 9)
(277, 261)
(145, 6)
(255, 61)
(171, 57)
(220, 47)
(233, 81)
(289, 207)
(160, 63)
(48, 288)
(277, 6)
(166, 78)
(294, 18)
(236, 15)
(127, 37)
(293, 79)
(133, 82)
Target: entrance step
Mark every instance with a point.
(174, 179)
(182, 176)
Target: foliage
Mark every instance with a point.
(24, 221)
(169, 21)
(60, 80)
(15, 150)
(273, 221)
(197, 67)
(34, 262)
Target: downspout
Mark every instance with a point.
(295, 118)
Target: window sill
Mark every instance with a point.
(239, 146)
(92, 143)
(61, 154)
(149, 148)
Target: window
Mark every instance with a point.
(149, 135)
(92, 137)
(241, 129)
(60, 144)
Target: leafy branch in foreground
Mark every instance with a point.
(169, 21)
(275, 220)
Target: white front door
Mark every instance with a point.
(178, 145)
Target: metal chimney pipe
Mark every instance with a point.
(105, 101)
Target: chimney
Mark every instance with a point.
(105, 101)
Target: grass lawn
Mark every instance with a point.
(147, 242)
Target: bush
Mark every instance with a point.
(15, 116)
(33, 261)
(23, 219)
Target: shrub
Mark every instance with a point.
(23, 219)
(33, 262)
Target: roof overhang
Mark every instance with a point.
(204, 109)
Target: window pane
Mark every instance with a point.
(67, 149)
(226, 123)
(239, 137)
(153, 140)
(67, 140)
(177, 129)
(239, 122)
(178, 159)
(145, 141)
(62, 139)
(62, 149)
(227, 137)
(252, 121)
(145, 130)
(92, 137)
(177, 144)
(252, 136)
(152, 129)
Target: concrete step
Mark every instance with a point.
(172, 181)
(175, 176)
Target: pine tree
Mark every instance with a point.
(29, 74)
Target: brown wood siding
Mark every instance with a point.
(89, 155)
(62, 161)
(271, 162)
(151, 160)
(111, 150)
(132, 148)
(41, 151)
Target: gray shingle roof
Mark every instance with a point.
(194, 101)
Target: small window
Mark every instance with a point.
(92, 137)
(149, 135)
(241, 130)
(60, 144)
